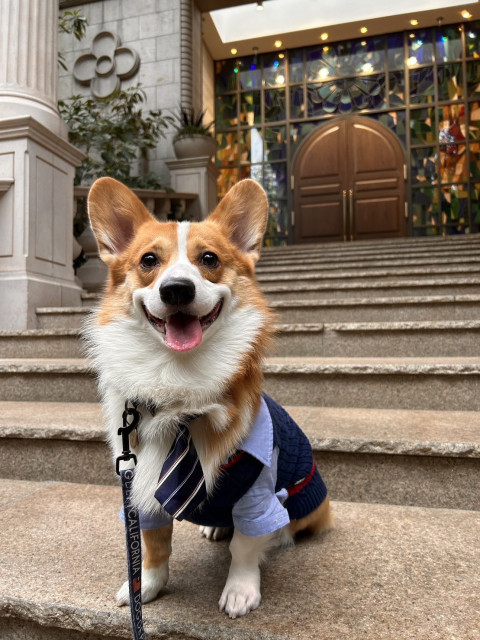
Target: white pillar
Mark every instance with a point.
(37, 167)
(196, 175)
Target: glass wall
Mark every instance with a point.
(424, 85)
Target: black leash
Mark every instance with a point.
(132, 522)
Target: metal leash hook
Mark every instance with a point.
(125, 432)
(132, 522)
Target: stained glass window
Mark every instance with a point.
(424, 85)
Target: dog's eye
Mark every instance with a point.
(210, 260)
(149, 261)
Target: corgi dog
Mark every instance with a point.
(182, 331)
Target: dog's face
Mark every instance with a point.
(182, 281)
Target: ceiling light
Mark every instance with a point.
(363, 30)
(367, 67)
(466, 14)
(260, 5)
(323, 75)
(280, 79)
(411, 62)
(414, 22)
(324, 36)
(233, 51)
(281, 56)
(278, 43)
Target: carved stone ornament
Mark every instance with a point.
(106, 65)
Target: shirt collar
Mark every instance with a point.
(259, 442)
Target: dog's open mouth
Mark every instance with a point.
(183, 331)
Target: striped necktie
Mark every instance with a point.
(181, 485)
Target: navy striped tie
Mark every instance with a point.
(181, 485)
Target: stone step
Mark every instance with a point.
(62, 317)
(375, 254)
(424, 243)
(365, 455)
(386, 309)
(396, 383)
(360, 339)
(305, 265)
(387, 274)
(368, 250)
(402, 571)
(379, 339)
(41, 343)
(372, 288)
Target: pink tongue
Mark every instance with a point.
(183, 332)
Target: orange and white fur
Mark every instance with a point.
(215, 373)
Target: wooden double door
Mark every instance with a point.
(349, 183)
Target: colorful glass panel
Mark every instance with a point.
(346, 95)
(454, 206)
(226, 111)
(274, 73)
(227, 148)
(225, 76)
(450, 81)
(422, 87)
(473, 79)
(275, 105)
(424, 166)
(425, 211)
(249, 73)
(296, 67)
(395, 51)
(297, 103)
(276, 143)
(474, 121)
(472, 39)
(250, 108)
(420, 48)
(396, 89)
(422, 126)
(448, 43)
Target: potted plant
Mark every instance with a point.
(193, 138)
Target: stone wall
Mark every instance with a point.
(152, 29)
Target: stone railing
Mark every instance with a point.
(160, 203)
(93, 273)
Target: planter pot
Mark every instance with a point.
(93, 274)
(194, 146)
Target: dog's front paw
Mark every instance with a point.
(153, 581)
(216, 533)
(240, 595)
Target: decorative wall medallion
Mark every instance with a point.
(106, 65)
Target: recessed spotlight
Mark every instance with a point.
(260, 5)
(363, 30)
(233, 51)
(414, 22)
(466, 14)
(278, 43)
(324, 36)
(281, 56)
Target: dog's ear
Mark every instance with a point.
(115, 215)
(243, 213)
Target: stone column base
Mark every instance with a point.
(21, 294)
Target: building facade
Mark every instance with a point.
(421, 86)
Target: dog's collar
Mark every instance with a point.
(143, 406)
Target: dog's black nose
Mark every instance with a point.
(178, 292)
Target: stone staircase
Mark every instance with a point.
(378, 359)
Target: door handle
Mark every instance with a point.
(352, 218)
(345, 215)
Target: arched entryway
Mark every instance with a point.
(349, 183)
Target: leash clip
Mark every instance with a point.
(125, 432)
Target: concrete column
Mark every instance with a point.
(37, 167)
